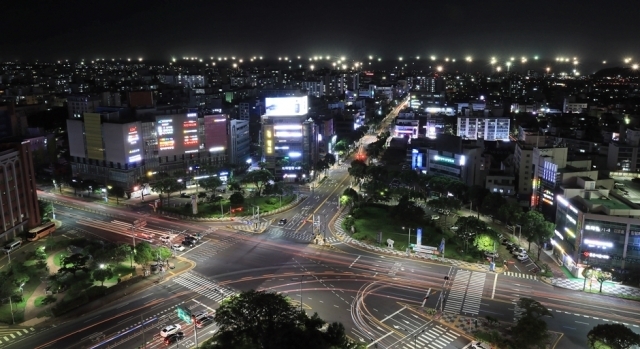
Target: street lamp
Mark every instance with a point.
(408, 240)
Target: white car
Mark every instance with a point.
(454, 228)
(169, 330)
(177, 247)
(435, 217)
(520, 253)
(522, 257)
(490, 254)
(165, 239)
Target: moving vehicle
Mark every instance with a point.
(205, 321)
(178, 336)
(283, 221)
(177, 247)
(41, 231)
(12, 246)
(169, 330)
(165, 239)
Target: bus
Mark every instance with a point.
(41, 231)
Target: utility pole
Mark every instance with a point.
(301, 278)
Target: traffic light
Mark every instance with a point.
(184, 314)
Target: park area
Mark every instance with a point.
(368, 220)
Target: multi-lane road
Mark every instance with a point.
(377, 297)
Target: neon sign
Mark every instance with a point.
(443, 159)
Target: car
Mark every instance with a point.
(169, 330)
(518, 250)
(198, 314)
(522, 257)
(454, 228)
(283, 221)
(190, 238)
(177, 247)
(55, 289)
(491, 254)
(185, 195)
(511, 246)
(165, 239)
(505, 242)
(205, 321)
(195, 237)
(188, 243)
(178, 336)
(435, 217)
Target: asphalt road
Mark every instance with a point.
(374, 296)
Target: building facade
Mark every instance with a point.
(487, 128)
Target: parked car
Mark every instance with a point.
(522, 257)
(518, 250)
(190, 238)
(511, 246)
(491, 254)
(435, 217)
(51, 289)
(177, 247)
(188, 243)
(169, 330)
(283, 221)
(185, 195)
(505, 241)
(178, 336)
(195, 237)
(454, 228)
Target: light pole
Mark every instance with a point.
(301, 278)
(408, 240)
(53, 211)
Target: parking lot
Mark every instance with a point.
(630, 191)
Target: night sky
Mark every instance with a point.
(68, 29)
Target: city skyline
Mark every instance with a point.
(163, 29)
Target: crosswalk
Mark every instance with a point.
(520, 275)
(205, 287)
(435, 337)
(465, 293)
(9, 334)
(207, 248)
(279, 233)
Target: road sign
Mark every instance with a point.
(184, 314)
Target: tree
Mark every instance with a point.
(341, 147)
(118, 192)
(531, 330)
(262, 165)
(210, 184)
(492, 203)
(167, 186)
(259, 178)
(615, 336)
(510, 211)
(46, 210)
(256, 319)
(120, 252)
(476, 195)
(330, 159)
(601, 277)
(143, 253)
(74, 263)
(233, 185)
(102, 274)
(536, 228)
(321, 166)
(358, 169)
(352, 194)
(236, 199)
(163, 252)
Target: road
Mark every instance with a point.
(377, 297)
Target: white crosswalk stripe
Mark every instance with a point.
(520, 275)
(465, 293)
(205, 287)
(303, 236)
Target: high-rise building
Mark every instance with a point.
(77, 105)
(19, 209)
(289, 140)
(239, 141)
(487, 128)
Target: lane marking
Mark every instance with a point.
(495, 282)
(390, 316)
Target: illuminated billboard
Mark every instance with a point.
(166, 139)
(286, 106)
(190, 132)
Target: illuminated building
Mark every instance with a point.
(289, 140)
(19, 209)
(596, 227)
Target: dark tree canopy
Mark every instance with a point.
(257, 319)
(615, 336)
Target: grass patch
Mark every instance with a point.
(118, 271)
(18, 307)
(57, 258)
(38, 302)
(374, 219)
